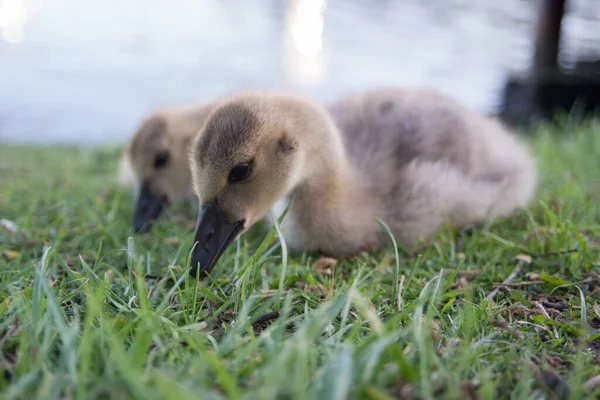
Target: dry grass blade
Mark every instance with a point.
(516, 284)
(400, 290)
(325, 265)
(543, 309)
(545, 313)
(267, 294)
(508, 280)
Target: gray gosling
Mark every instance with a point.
(414, 158)
(155, 160)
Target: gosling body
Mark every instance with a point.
(414, 158)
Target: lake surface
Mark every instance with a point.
(87, 71)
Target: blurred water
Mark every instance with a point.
(87, 71)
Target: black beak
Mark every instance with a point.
(213, 234)
(148, 207)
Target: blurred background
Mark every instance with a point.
(86, 72)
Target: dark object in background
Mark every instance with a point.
(547, 89)
(532, 98)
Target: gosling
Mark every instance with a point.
(414, 158)
(155, 160)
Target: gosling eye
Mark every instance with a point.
(161, 159)
(240, 172)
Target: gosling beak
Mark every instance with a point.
(148, 207)
(213, 235)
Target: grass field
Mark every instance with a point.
(89, 311)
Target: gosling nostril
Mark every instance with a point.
(209, 236)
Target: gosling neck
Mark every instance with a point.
(329, 200)
(327, 176)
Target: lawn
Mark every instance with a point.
(89, 310)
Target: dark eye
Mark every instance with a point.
(240, 172)
(161, 159)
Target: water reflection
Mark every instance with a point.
(14, 15)
(303, 58)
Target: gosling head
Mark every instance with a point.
(157, 163)
(247, 157)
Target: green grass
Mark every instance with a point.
(90, 311)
